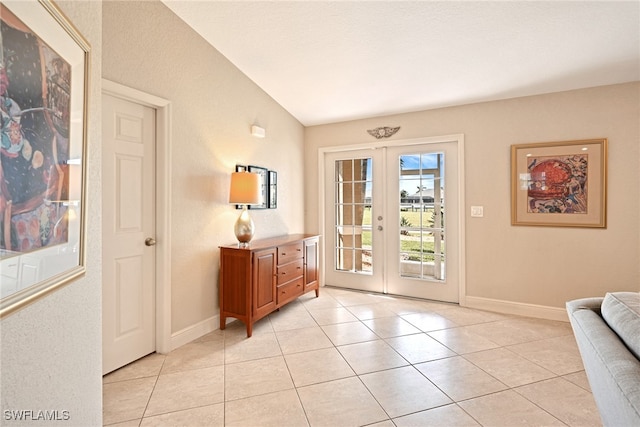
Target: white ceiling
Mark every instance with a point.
(327, 62)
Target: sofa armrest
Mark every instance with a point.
(613, 372)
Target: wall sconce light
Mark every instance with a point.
(245, 190)
(258, 132)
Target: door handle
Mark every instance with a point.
(380, 227)
(149, 241)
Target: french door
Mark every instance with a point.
(392, 220)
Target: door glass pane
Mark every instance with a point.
(421, 204)
(352, 202)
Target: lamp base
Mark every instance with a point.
(244, 228)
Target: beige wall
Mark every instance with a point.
(51, 351)
(530, 265)
(149, 48)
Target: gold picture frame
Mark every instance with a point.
(44, 66)
(559, 184)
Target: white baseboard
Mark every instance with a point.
(517, 308)
(194, 332)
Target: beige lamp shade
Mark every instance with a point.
(245, 188)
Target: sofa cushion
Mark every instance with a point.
(621, 311)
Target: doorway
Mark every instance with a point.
(393, 218)
(135, 225)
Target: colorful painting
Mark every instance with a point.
(558, 184)
(35, 93)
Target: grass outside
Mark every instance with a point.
(409, 243)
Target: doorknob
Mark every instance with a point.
(380, 218)
(380, 227)
(149, 241)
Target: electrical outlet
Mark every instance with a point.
(477, 211)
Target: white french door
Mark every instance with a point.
(385, 226)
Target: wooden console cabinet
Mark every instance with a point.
(257, 280)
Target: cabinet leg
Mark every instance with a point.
(249, 329)
(223, 322)
(317, 292)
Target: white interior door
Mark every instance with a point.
(385, 224)
(128, 313)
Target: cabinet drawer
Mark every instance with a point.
(289, 271)
(289, 252)
(290, 291)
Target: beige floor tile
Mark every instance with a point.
(419, 348)
(387, 327)
(518, 330)
(387, 423)
(323, 301)
(187, 389)
(371, 311)
(256, 377)
(259, 346)
(148, 366)
(559, 355)
(427, 322)
(317, 366)
(508, 367)
(305, 339)
(330, 316)
(291, 318)
(195, 355)
(443, 416)
(580, 379)
(402, 391)
(348, 333)
(348, 299)
(507, 409)
(566, 401)
(459, 378)
(345, 402)
(204, 416)
(466, 316)
(131, 423)
(126, 400)
(282, 408)
(401, 306)
(371, 356)
(462, 340)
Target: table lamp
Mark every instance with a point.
(244, 191)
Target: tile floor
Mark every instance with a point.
(353, 359)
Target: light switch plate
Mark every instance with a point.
(477, 211)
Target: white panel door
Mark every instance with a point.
(128, 306)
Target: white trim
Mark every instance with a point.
(194, 332)
(459, 139)
(163, 204)
(517, 308)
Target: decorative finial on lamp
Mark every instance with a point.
(244, 191)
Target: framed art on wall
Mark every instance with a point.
(43, 85)
(264, 182)
(559, 184)
(273, 189)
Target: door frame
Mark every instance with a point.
(163, 204)
(373, 145)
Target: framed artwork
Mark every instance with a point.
(264, 182)
(559, 184)
(44, 69)
(273, 189)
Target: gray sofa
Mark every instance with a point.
(607, 331)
